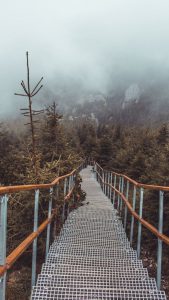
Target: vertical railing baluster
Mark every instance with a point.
(56, 198)
(107, 176)
(110, 186)
(3, 238)
(69, 184)
(49, 225)
(118, 197)
(160, 243)
(122, 189)
(73, 185)
(98, 173)
(104, 182)
(64, 194)
(105, 186)
(108, 180)
(35, 227)
(139, 224)
(126, 209)
(101, 179)
(69, 189)
(114, 193)
(132, 217)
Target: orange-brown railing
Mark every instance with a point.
(116, 186)
(66, 184)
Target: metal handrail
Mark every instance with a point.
(7, 262)
(18, 188)
(108, 181)
(138, 184)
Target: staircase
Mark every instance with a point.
(92, 257)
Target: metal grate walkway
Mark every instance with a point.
(92, 258)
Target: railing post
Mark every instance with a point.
(48, 227)
(114, 193)
(101, 179)
(70, 186)
(73, 184)
(139, 224)
(132, 217)
(126, 209)
(64, 194)
(122, 189)
(69, 183)
(3, 234)
(105, 186)
(97, 172)
(110, 182)
(160, 243)
(56, 198)
(104, 182)
(107, 180)
(118, 198)
(35, 227)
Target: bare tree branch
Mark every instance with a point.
(32, 95)
(16, 94)
(36, 85)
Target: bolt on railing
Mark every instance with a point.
(123, 197)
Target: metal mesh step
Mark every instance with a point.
(60, 293)
(92, 261)
(101, 243)
(123, 271)
(118, 254)
(97, 282)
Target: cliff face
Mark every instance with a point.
(140, 109)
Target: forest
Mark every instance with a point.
(141, 152)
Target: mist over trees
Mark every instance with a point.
(118, 139)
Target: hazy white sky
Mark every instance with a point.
(95, 43)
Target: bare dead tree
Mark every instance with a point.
(29, 112)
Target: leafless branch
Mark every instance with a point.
(16, 94)
(23, 86)
(32, 95)
(36, 85)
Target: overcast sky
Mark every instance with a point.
(92, 44)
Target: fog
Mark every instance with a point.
(83, 46)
